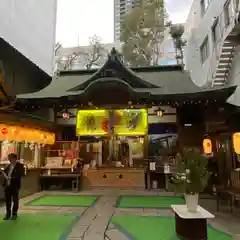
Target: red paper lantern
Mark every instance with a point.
(65, 115)
(207, 146)
(4, 131)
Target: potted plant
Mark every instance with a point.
(191, 177)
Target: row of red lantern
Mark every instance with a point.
(21, 134)
(207, 144)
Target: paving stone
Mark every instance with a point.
(74, 238)
(111, 226)
(146, 213)
(131, 210)
(94, 237)
(72, 210)
(115, 234)
(94, 220)
(121, 213)
(40, 208)
(38, 211)
(88, 217)
(78, 231)
(236, 237)
(100, 223)
(165, 212)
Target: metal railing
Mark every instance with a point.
(218, 46)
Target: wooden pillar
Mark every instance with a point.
(189, 135)
(55, 115)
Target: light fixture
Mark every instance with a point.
(207, 146)
(65, 115)
(236, 142)
(160, 113)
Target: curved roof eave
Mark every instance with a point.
(114, 63)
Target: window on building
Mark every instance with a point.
(227, 13)
(161, 62)
(204, 5)
(215, 31)
(172, 61)
(204, 49)
(171, 49)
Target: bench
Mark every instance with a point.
(63, 180)
(233, 191)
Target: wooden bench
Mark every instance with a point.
(72, 180)
(233, 191)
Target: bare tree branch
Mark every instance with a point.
(87, 55)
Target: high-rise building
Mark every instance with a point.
(77, 58)
(121, 7)
(167, 48)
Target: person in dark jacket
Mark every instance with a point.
(12, 184)
(78, 167)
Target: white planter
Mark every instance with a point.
(191, 202)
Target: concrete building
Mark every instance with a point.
(168, 51)
(121, 7)
(211, 32)
(27, 39)
(76, 58)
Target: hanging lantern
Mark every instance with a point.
(236, 142)
(159, 113)
(25, 145)
(4, 131)
(65, 116)
(105, 125)
(31, 146)
(207, 146)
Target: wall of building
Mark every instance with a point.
(234, 75)
(168, 51)
(63, 55)
(46, 114)
(198, 27)
(29, 26)
(19, 74)
(121, 7)
(234, 78)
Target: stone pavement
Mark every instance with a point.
(94, 222)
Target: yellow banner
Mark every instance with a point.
(131, 122)
(92, 122)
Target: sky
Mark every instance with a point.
(77, 20)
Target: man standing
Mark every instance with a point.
(13, 174)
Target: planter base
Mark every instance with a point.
(191, 229)
(191, 202)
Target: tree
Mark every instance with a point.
(88, 55)
(142, 32)
(176, 31)
(95, 52)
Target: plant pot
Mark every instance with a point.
(191, 201)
